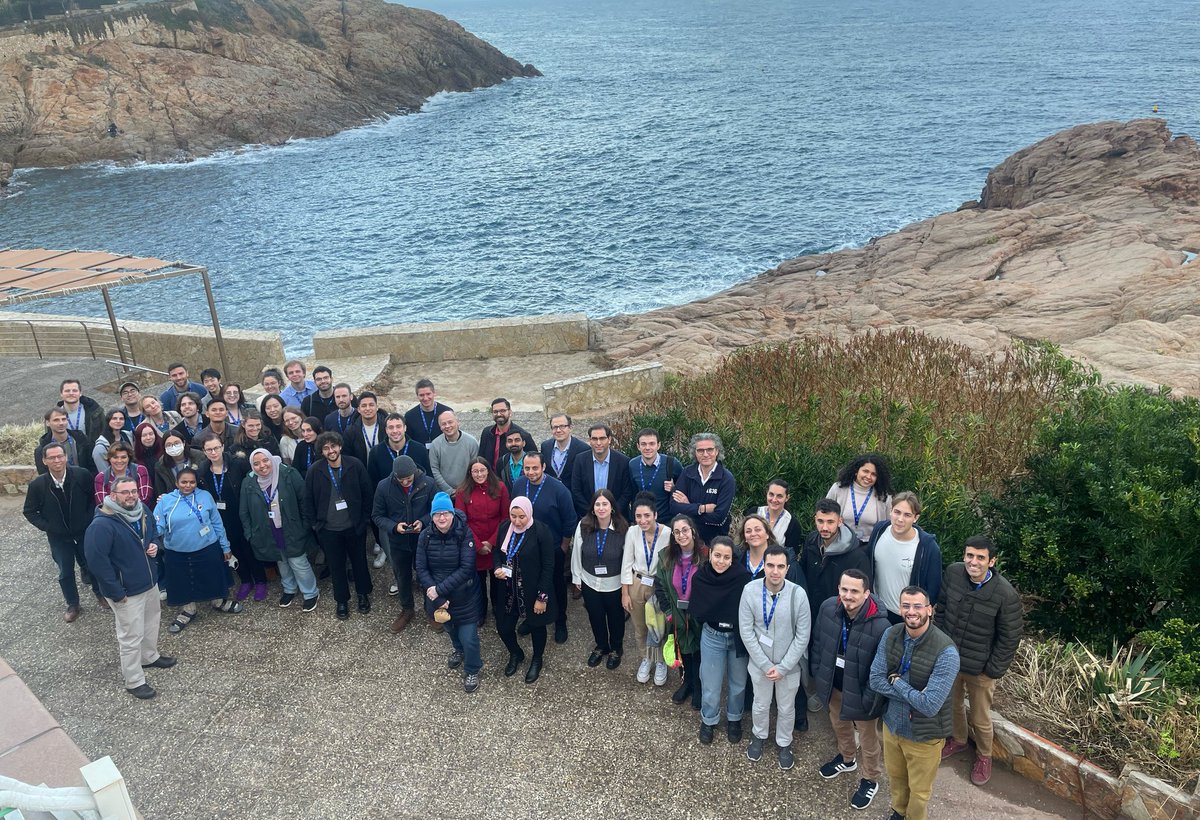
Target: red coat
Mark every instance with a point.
(484, 515)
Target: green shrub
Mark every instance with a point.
(1177, 642)
(1103, 530)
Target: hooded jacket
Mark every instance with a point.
(859, 701)
(927, 563)
(117, 557)
(819, 570)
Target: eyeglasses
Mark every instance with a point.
(706, 449)
(560, 427)
(123, 492)
(684, 531)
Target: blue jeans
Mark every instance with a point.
(718, 661)
(465, 639)
(297, 571)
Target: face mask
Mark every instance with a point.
(175, 450)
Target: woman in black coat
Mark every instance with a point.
(222, 476)
(525, 573)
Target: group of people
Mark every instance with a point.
(164, 497)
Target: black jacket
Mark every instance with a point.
(83, 452)
(163, 475)
(44, 510)
(819, 573)
(574, 450)
(859, 701)
(93, 418)
(446, 560)
(333, 422)
(985, 624)
(236, 470)
(353, 443)
(391, 506)
(421, 428)
(488, 444)
(356, 489)
(583, 481)
(318, 406)
(535, 565)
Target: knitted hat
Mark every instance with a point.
(403, 467)
(441, 503)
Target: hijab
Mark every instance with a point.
(521, 503)
(268, 483)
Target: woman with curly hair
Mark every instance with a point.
(864, 491)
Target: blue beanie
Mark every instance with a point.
(441, 503)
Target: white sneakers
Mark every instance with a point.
(660, 674)
(380, 559)
(643, 673)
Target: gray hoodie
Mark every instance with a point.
(789, 630)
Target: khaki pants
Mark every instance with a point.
(870, 765)
(911, 766)
(137, 634)
(979, 689)
(639, 593)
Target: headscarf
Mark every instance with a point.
(268, 483)
(521, 503)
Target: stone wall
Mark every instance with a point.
(606, 389)
(1132, 794)
(158, 344)
(448, 341)
(14, 480)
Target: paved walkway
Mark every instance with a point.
(277, 713)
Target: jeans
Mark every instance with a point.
(718, 661)
(67, 551)
(465, 639)
(297, 571)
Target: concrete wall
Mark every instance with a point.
(448, 341)
(606, 389)
(158, 344)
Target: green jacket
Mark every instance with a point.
(686, 629)
(256, 520)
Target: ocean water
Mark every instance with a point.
(674, 148)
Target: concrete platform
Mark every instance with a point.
(278, 713)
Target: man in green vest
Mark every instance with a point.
(915, 667)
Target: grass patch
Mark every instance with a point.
(18, 441)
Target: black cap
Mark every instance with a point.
(403, 467)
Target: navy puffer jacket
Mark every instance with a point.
(446, 560)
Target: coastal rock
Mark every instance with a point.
(1085, 239)
(171, 81)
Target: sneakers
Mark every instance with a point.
(706, 734)
(862, 798)
(380, 559)
(754, 750)
(285, 600)
(455, 660)
(162, 596)
(952, 747)
(394, 589)
(838, 766)
(786, 758)
(471, 683)
(310, 603)
(981, 772)
(660, 674)
(643, 673)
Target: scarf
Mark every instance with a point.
(268, 483)
(130, 517)
(521, 503)
(715, 596)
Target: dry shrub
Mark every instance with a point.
(18, 441)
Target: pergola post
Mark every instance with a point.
(112, 320)
(212, 310)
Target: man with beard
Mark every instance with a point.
(493, 440)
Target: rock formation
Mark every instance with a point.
(1085, 239)
(171, 80)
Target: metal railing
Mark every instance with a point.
(64, 338)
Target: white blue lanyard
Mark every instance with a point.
(649, 549)
(642, 473)
(374, 435)
(187, 499)
(754, 571)
(78, 418)
(774, 603)
(396, 455)
(857, 510)
(428, 425)
(337, 484)
(600, 542)
(218, 483)
(528, 486)
(516, 548)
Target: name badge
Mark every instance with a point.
(601, 571)
(506, 572)
(765, 640)
(341, 505)
(840, 663)
(205, 530)
(220, 505)
(724, 625)
(682, 604)
(647, 580)
(271, 514)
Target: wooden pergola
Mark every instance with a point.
(27, 275)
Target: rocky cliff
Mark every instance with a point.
(1085, 239)
(167, 81)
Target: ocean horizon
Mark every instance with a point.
(671, 150)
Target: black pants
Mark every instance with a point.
(560, 586)
(487, 586)
(404, 564)
(506, 627)
(340, 545)
(250, 570)
(607, 617)
(67, 551)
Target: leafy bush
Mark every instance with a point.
(1103, 530)
(953, 423)
(1178, 643)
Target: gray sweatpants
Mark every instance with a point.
(784, 692)
(137, 619)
